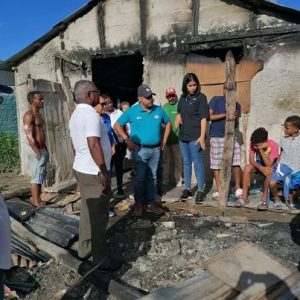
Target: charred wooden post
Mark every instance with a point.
(230, 94)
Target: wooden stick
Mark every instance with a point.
(58, 253)
(225, 172)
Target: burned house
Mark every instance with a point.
(121, 43)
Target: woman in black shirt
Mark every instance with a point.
(192, 119)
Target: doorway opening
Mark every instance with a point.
(119, 76)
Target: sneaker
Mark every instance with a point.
(154, 208)
(199, 198)
(180, 183)
(186, 194)
(111, 213)
(238, 193)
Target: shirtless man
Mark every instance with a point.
(33, 127)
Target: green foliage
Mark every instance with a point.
(9, 153)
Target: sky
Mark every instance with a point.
(24, 21)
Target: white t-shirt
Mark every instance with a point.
(84, 123)
(114, 116)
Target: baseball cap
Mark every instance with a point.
(170, 91)
(144, 91)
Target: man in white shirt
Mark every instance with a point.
(91, 165)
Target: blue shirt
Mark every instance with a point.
(145, 127)
(217, 105)
(107, 123)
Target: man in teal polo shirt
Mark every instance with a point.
(146, 141)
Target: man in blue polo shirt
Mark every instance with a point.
(146, 141)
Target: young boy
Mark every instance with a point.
(217, 115)
(289, 160)
(262, 155)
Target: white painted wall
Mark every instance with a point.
(163, 15)
(161, 75)
(83, 33)
(215, 15)
(122, 22)
(275, 92)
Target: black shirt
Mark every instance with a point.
(192, 108)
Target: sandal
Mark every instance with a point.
(262, 206)
(240, 202)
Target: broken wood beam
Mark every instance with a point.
(59, 254)
(230, 94)
(125, 291)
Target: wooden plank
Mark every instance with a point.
(247, 268)
(204, 286)
(225, 172)
(56, 115)
(124, 291)
(59, 254)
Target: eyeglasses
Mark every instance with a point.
(103, 103)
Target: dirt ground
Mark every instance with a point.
(162, 251)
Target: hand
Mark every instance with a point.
(236, 113)
(178, 121)
(113, 149)
(162, 145)
(201, 141)
(267, 171)
(131, 145)
(105, 183)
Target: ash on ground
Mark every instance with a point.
(163, 251)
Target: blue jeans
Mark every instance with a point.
(145, 165)
(192, 153)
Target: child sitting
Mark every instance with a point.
(289, 161)
(262, 155)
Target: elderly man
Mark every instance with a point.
(34, 129)
(146, 142)
(91, 165)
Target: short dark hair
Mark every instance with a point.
(31, 95)
(259, 135)
(294, 120)
(186, 79)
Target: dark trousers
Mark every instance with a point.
(117, 162)
(93, 217)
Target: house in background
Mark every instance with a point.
(121, 43)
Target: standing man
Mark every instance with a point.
(146, 142)
(217, 115)
(120, 146)
(172, 156)
(33, 127)
(91, 165)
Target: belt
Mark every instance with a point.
(148, 146)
